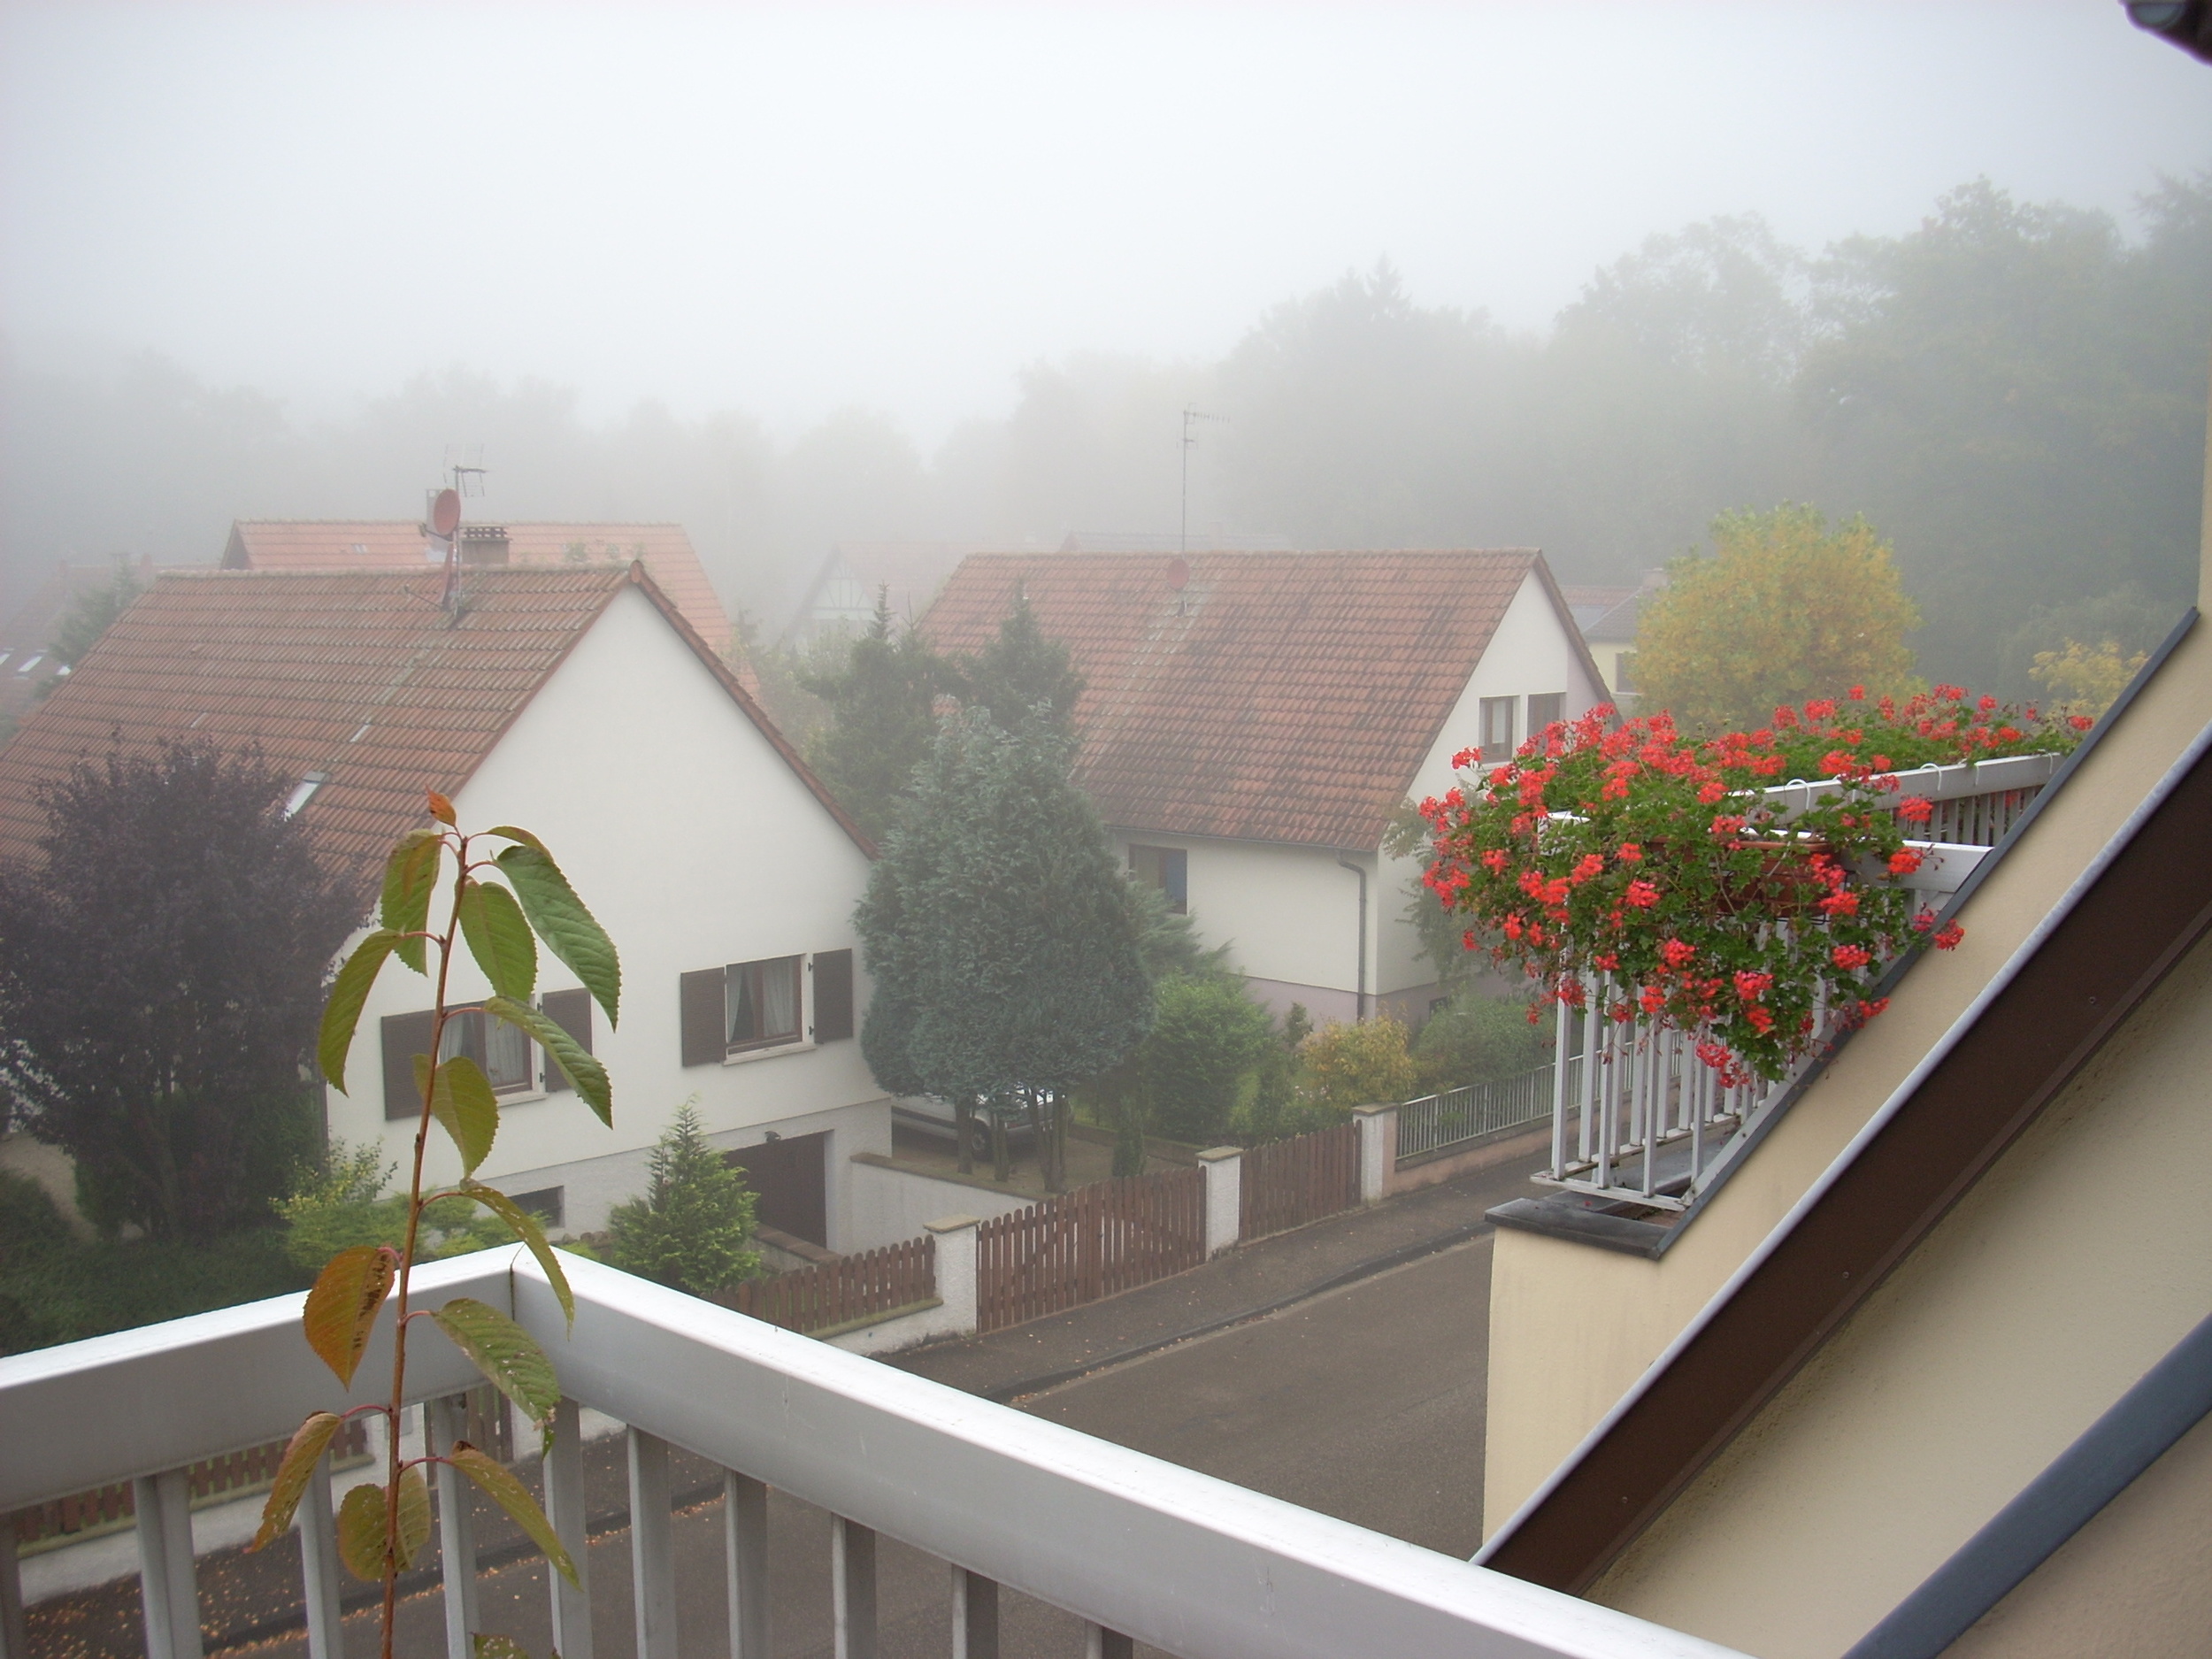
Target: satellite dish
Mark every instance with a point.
(445, 513)
(1177, 575)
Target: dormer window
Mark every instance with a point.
(303, 791)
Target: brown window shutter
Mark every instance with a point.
(405, 1036)
(571, 1011)
(832, 995)
(701, 1002)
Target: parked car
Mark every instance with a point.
(932, 1115)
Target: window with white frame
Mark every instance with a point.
(1497, 728)
(502, 1052)
(760, 1003)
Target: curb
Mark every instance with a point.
(1005, 1393)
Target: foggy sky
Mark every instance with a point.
(788, 211)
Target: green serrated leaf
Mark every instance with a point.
(525, 1226)
(500, 940)
(507, 1355)
(585, 1072)
(410, 877)
(510, 833)
(348, 992)
(493, 1480)
(463, 1103)
(568, 929)
(310, 1441)
(364, 1537)
(342, 1308)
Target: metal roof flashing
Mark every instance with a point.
(1567, 1216)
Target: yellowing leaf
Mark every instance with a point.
(310, 1441)
(342, 1012)
(363, 1527)
(495, 1483)
(506, 1353)
(525, 1226)
(568, 930)
(342, 1308)
(463, 1103)
(586, 1073)
(441, 808)
(500, 940)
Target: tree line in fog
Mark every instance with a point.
(2014, 393)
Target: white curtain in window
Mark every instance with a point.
(506, 1055)
(779, 998)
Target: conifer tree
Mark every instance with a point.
(1022, 677)
(1001, 935)
(882, 718)
(693, 1228)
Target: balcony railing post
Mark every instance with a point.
(1101, 1643)
(167, 1588)
(564, 1508)
(445, 1422)
(745, 1537)
(318, 1567)
(652, 1546)
(852, 1588)
(974, 1615)
(15, 1641)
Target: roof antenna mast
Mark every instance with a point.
(445, 524)
(1192, 415)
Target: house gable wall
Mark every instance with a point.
(695, 845)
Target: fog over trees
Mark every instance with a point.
(2013, 392)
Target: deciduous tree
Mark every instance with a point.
(1785, 611)
(161, 970)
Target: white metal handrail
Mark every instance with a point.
(1137, 1547)
(1434, 1123)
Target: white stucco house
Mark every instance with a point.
(1251, 722)
(577, 701)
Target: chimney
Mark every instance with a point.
(483, 544)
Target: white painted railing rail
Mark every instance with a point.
(1139, 1548)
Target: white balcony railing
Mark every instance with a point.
(1637, 1117)
(1139, 1549)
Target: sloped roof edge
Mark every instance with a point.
(744, 699)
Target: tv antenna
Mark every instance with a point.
(445, 525)
(1192, 415)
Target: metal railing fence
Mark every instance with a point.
(1436, 1123)
(1198, 1568)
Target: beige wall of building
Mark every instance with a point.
(2066, 1273)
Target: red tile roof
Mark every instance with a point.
(337, 544)
(1275, 697)
(359, 674)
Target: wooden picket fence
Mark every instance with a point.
(237, 1472)
(1287, 1183)
(1107, 1237)
(850, 1288)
